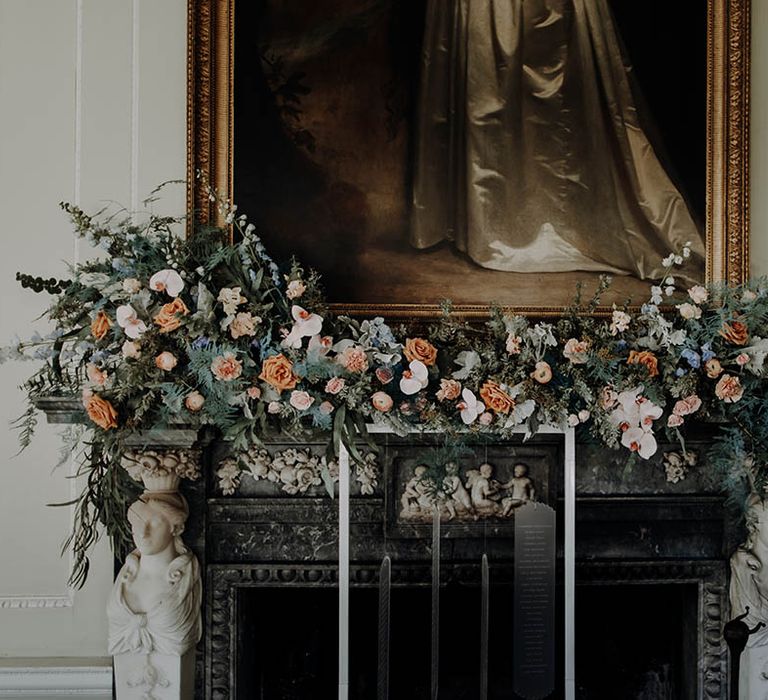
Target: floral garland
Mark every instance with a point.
(160, 329)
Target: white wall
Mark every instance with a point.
(92, 107)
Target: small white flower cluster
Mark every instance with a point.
(677, 464)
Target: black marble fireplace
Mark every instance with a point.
(650, 574)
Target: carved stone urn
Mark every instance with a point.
(154, 607)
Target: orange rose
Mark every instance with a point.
(495, 398)
(735, 333)
(168, 316)
(100, 325)
(420, 349)
(277, 371)
(645, 358)
(101, 412)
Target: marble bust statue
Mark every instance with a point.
(155, 601)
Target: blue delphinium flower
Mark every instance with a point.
(680, 372)
(201, 343)
(706, 352)
(691, 357)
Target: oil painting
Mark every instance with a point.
(482, 151)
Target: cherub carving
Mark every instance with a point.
(457, 496)
(521, 487)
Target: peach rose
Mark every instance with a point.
(645, 358)
(274, 407)
(384, 374)
(713, 368)
(420, 349)
(495, 398)
(95, 375)
(301, 400)
(382, 401)
(334, 385)
(101, 412)
(542, 373)
(277, 371)
(168, 318)
(729, 389)
(684, 407)
(100, 325)
(353, 359)
(194, 401)
(449, 390)
(226, 367)
(326, 408)
(166, 361)
(735, 333)
(253, 392)
(675, 421)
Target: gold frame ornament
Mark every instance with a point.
(210, 109)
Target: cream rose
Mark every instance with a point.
(353, 359)
(575, 351)
(295, 289)
(194, 401)
(382, 401)
(449, 390)
(131, 350)
(334, 385)
(166, 361)
(300, 400)
(226, 367)
(244, 324)
(542, 373)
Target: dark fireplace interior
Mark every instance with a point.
(288, 641)
(633, 641)
(636, 641)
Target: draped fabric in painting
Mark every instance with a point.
(531, 155)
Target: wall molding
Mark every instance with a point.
(56, 681)
(24, 602)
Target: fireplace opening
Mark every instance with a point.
(288, 637)
(637, 642)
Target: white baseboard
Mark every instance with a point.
(39, 681)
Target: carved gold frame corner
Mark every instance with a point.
(210, 103)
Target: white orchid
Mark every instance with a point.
(641, 441)
(634, 416)
(129, 321)
(305, 324)
(470, 407)
(167, 281)
(415, 378)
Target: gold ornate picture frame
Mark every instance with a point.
(211, 146)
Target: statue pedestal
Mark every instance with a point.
(155, 676)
